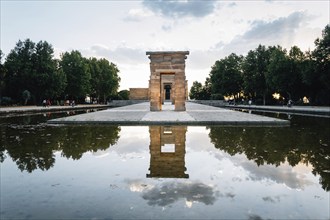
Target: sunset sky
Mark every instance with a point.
(122, 31)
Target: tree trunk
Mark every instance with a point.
(264, 98)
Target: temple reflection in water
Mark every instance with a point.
(167, 152)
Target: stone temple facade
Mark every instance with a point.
(167, 79)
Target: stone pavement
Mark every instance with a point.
(34, 109)
(196, 114)
(304, 110)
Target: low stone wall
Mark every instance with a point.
(138, 93)
(119, 103)
(216, 103)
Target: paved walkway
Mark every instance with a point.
(309, 110)
(33, 109)
(195, 114)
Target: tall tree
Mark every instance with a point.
(32, 67)
(2, 76)
(279, 76)
(50, 82)
(310, 77)
(19, 64)
(226, 75)
(75, 68)
(195, 90)
(109, 83)
(104, 78)
(207, 89)
(296, 59)
(321, 55)
(254, 70)
(95, 71)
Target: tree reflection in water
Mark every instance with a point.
(278, 145)
(33, 146)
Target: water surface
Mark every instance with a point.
(164, 172)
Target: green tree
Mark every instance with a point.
(32, 67)
(75, 68)
(95, 71)
(284, 74)
(310, 77)
(195, 90)
(206, 92)
(50, 80)
(2, 76)
(255, 66)
(199, 91)
(104, 78)
(321, 55)
(123, 94)
(57, 82)
(277, 76)
(19, 64)
(296, 59)
(226, 75)
(109, 82)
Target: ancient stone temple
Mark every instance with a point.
(167, 79)
(167, 152)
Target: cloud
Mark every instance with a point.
(137, 185)
(167, 27)
(281, 175)
(254, 217)
(137, 15)
(232, 4)
(177, 9)
(120, 54)
(275, 199)
(281, 31)
(277, 28)
(170, 192)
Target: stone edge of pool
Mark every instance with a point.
(196, 114)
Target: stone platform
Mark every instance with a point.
(196, 114)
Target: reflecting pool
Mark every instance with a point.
(164, 172)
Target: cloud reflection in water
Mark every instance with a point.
(171, 192)
(168, 193)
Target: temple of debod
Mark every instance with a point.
(167, 81)
(164, 102)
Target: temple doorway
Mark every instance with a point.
(167, 92)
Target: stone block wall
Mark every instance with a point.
(139, 94)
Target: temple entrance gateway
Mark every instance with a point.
(167, 79)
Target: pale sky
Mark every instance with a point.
(122, 31)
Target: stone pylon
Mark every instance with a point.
(167, 79)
